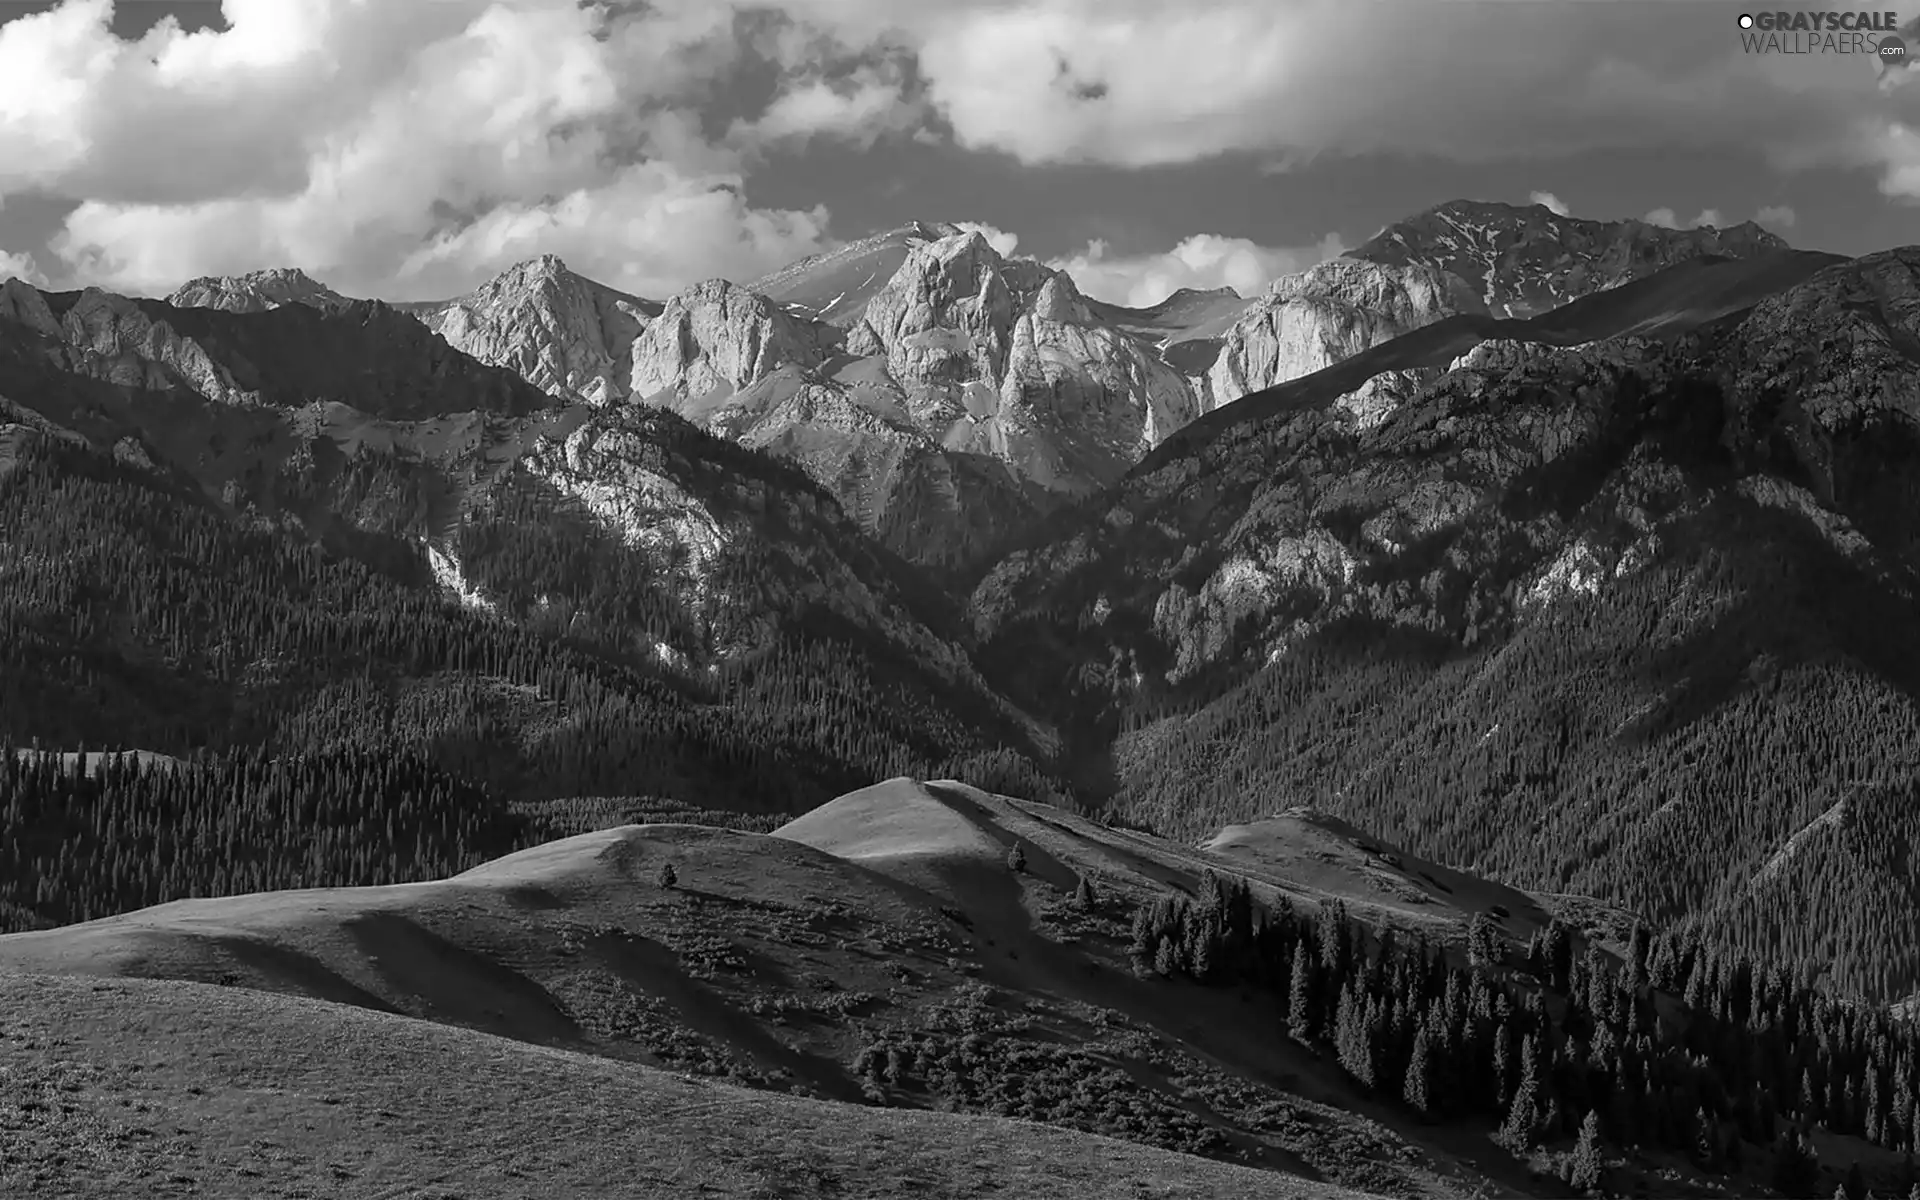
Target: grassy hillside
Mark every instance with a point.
(1263, 1001)
(158, 1088)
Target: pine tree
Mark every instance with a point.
(1639, 972)
(1146, 941)
(1417, 1087)
(1583, 1171)
(1084, 898)
(1523, 1117)
(1855, 1185)
(1017, 859)
(1201, 955)
(1484, 945)
(1300, 1015)
(669, 878)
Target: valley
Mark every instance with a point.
(1445, 726)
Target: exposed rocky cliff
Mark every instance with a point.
(1577, 603)
(1524, 260)
(257, 291)
(364, 353)
(940, 401)
(1326, 314)
(945, 393)
(560, 331)
(713, 340)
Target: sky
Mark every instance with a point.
(411, 149)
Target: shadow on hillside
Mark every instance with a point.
(651, 968)
(448, 982)
(283, 969)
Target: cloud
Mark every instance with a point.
(1778, 216)
(1141, 83)
(1202, 262)
(866, 104)
(405, 152)
(21, 266)
(1002, 242)
(1666, 218)
(1552, 202)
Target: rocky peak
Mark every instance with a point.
(1522, 260)
(257, 291)
(562, 332)
(1844, 348)
(718, 337)
(1315, 318)
(22, 302)
(1059, 300)
(944, 316)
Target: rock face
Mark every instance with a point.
(958, 349)
(257, 291)
(927, 381)
(560, 331)
(712, 341)
(932, 384)
(1523, 261)
(362, 353)
(1649, 576)
(1331, 312)
(1226, 551)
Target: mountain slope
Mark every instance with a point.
(781, 962)
(1564, 617)
(1522, 261)
(257, 291)
(355, 1104)
(885, 951)
(947, 395)
(628, 579)
(562, 332)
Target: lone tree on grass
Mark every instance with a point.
(1016, 858)
(668, 876)
(1084, 897)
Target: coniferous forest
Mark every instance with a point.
(1563, 1048)
(339, 723)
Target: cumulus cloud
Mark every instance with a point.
(866, 104)
(1551, 202)
(1778, 216)
(1666, 218)
(409, 150)
(1202, 262)
(21, 266)
(1002, 242)
(406, 151)
(1139, 82)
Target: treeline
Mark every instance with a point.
(1744, 688)
(78, 843)
(1560, 1042)
(136, 615)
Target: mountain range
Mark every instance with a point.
(1565, 565)
(943, 392)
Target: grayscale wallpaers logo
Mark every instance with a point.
(1869, 34)
(1875, 35)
